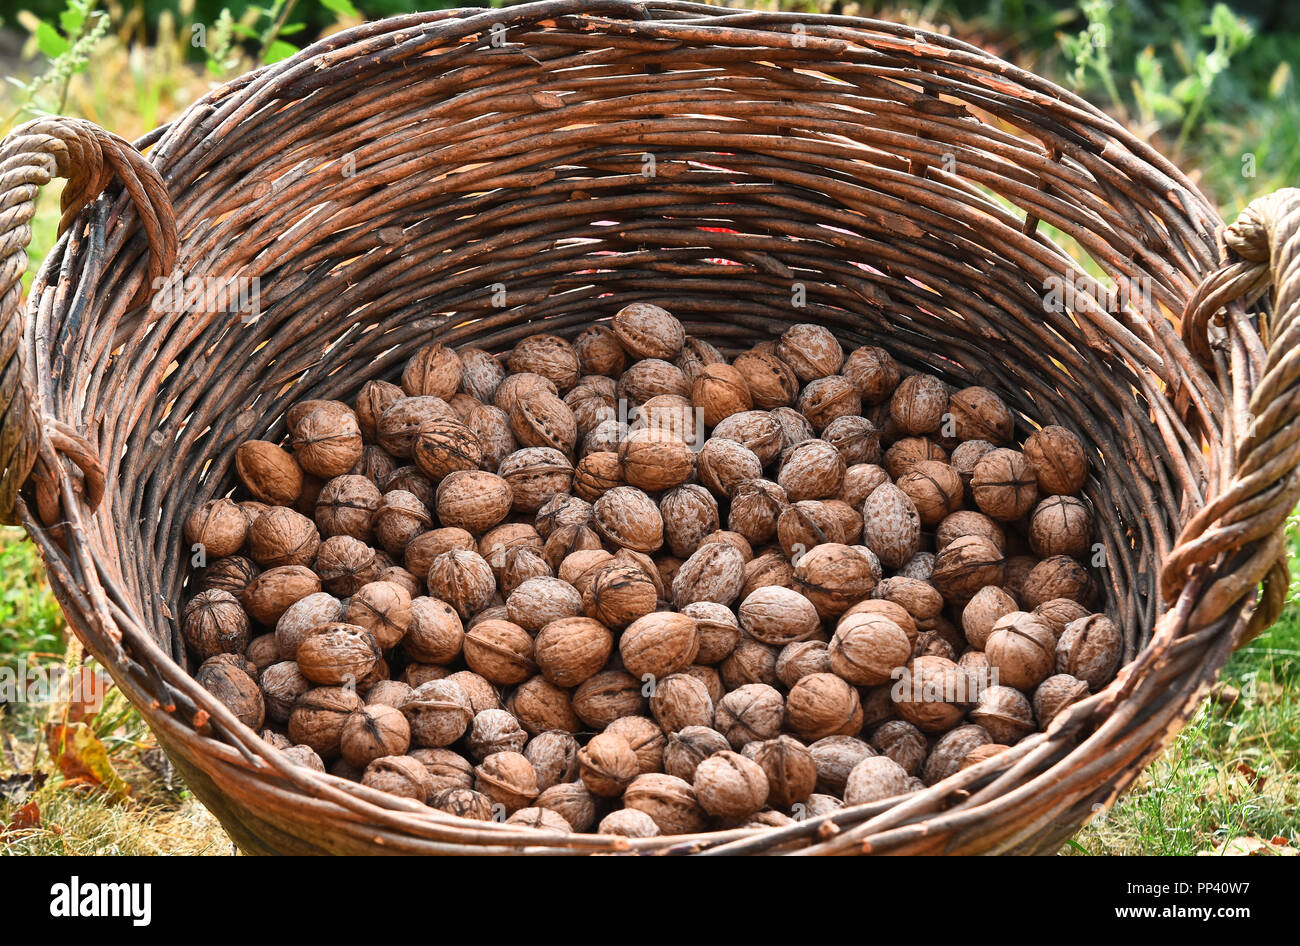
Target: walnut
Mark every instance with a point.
(1059, 613)
(722, 465)
(494, 730)
(771, 568)
(822, 704)
(554, 756)
(873, 372)
(232, 574)
(607, 765)
(806, 524)
(434, 632)
(1090, 649)
(433, 371)
(269, 472)
(214, 623)
(718, 630)
(811, 351)
(828, 399)
(550, 356)
(1055, 694)
(965, 457)
(833, 576)
(836, 757)
(715, 573)
(441, 447)
(893, 610)
(410, 479)
(599, 352)
(646, 739)
(680, 701)
(384, 609)
(967, 564)
(219, 526)
(652, 378)
(398, 775)
(571, 801)
(482, 694)
(857, 440)
(757, 430)
(949, 753)
(628, 823)
(751, 662)
(935, 490)
(399, 518)
(229, 678)
(1004, 713)
(930, 694)
(648, 331)
(918, 598)
(373, 732)
(689, 514)
(772, 383)
(306, 614)
(874, 779)
(968, 522)
(719, 391)
(620, 594)
(463, 803)
(346, 506)
(860, 480)
(540, 601)
(336, 654)
(1003, 485)
(1021, 649)
(750, 713)
(908, 452)
(1017, 570)
(801, 658)
(281, 684)
(481, 374)
(438, 713)
(605, 696)
(901, 741)
(756, 508)
(697, 354)
(669, 414)
(271, 593)
(659, 644)
(789, 767)
(500, 651)
(1057, 577)
(919, 404)
(1057, 459)
(318, 716)
(813, 469)
(979, 414)
(1060, 525)
(446, 768)
(688, 747)
(892, 525)
(345, 565)
(326, 438)
(867, 648)
(984, 609)
(596, 474)
(778, 616)
(540, 705)
(281, 536)
(669, 801)
(508, 779)
(539, 419)
(795, 428)
(462, 579)
(402, 422)
(655, 460)
(570, 650)
(629, 518)
(728, 785)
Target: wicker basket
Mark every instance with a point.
(384, 184)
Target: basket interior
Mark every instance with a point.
(470, 184)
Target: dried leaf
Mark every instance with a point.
(80, 756)
(24, 819)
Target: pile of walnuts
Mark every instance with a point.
(620, 584)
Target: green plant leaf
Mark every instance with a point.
(290, 28)
(279, 50)
(72, 19)
(340, 7)
(49, 41)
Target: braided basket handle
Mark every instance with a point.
(90, 158)
(1245, 522)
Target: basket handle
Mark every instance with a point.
(1245, 522)
(90, 158)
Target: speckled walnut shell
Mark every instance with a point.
(967, 564)
(554, 756)
(836, 757)
(772, 382)
(1058, 461)
(833, 577)
(599, 351)
(868, 648)
(811, 351)
(438, 713)
(669, 801)
(891, 525)
(931, 694)
(979, 414)
(572, 802)
(214, 622)
(722, 465)
(345, 565)
(1090, 649)
(813, 469)
(606, 696)
(689, 514)
(1060, 525)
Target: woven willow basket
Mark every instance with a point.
(386, 183)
